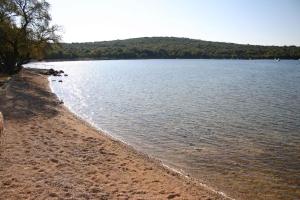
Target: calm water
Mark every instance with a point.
(232, 124)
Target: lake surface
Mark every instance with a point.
(232, 124)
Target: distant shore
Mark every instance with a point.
(99, 59)
(47, 152)
(169, 48)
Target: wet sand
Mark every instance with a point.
(48, 153)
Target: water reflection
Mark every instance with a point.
(234, 124)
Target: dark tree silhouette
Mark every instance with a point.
(25, 32)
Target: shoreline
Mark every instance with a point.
(50, 152)
(146, 156)
(115, 59)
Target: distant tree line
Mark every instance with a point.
(169, 47)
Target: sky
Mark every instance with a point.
(263, 22)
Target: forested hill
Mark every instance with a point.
(168, 47)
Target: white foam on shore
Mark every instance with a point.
(180, 172)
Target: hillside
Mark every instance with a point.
(168, 47)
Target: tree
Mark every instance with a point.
(25, 32)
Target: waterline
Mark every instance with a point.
(232, 124)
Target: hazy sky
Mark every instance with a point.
(266, 22)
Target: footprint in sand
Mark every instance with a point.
(52, 194)
(172, 196)
(68, 195)
(53, 160)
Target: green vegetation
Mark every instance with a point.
(169, 47)
(25, 32)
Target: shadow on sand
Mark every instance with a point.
(24, 98)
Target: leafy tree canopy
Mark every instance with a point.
(25, 32)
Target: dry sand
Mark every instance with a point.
(48, 153)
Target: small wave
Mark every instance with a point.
(182, 173)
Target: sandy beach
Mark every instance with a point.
(48, 153)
